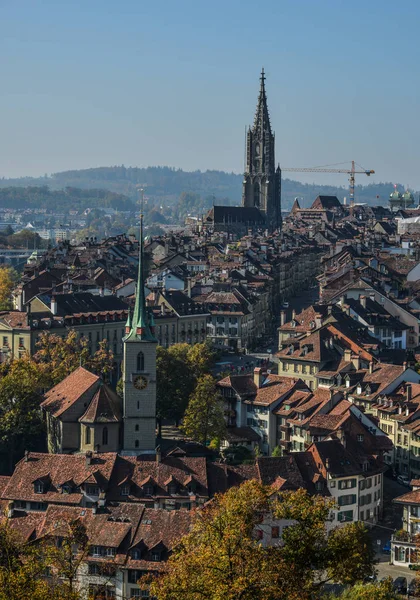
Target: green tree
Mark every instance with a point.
(204, 418)
(277, 451)
(8, 280)
(21, 426)
(175, 382)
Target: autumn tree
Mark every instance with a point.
(58, 357)
(368, 591)
(204, 418)
(22, 570)
(223, 558)
(8, 279)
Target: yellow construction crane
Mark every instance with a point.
(326, 169)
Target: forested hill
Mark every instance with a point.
(168, 183)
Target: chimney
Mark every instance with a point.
(88, 456)
(293, 313)
(329, 309)
(162, 309)
(347, 354)
(26, 456)
(342, 300)
(282, 317)
(408, 391)
(158, 455)
(372, 296)
(53, 305)
(404, 365)
(327, 463)
(318, 320)
(371, 367)
(258, 377)
(10, 509)
(356, 361)
(189, 287)
(95, 508)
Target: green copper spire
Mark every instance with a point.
(141, 328)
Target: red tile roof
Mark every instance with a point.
(63, 395)
(105, 407)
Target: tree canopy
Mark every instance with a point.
(223, 559)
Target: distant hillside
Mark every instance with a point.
(167, 184)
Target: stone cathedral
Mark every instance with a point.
(262, 181)
(261, 193)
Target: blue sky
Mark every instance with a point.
(100, 82)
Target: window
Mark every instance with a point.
(110, 551)
(87, 435)
(345, 516)
(96, 551)
(332, 483)
(135, 555)
(155, 556)
(136, 444)
(172, 488)
(148, 489)
(105, 436)
(92, 490)
(346, 500)
(94, 569)
(136, 428)
(275, 532)
(39, 487)
(360, 437)
(125, 490)
(140, 361)
(5, 341)
(21, 342)
(347, 484)
(259, 534)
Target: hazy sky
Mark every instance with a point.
(88, 83)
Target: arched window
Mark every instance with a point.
(136, 428)
(105, 436)
(87, 435)
(136, 444)
(140, 361)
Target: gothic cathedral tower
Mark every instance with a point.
(262, 181)
(139, 377)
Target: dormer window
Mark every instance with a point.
(111, 552)
(172, 488)
(136, 554)
(359, 389)
(39, 487)
(125, 490)
(148, 489)
(155, 556)
(92, 490)
(66, 489)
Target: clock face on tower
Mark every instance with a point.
(140, 382)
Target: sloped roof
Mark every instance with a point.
(105, 407)
(63, 395)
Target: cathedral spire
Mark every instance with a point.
(262, 118)
(140, 327)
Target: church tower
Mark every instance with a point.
(262, 181)
(139, 377)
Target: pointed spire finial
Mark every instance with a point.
(140, 326)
